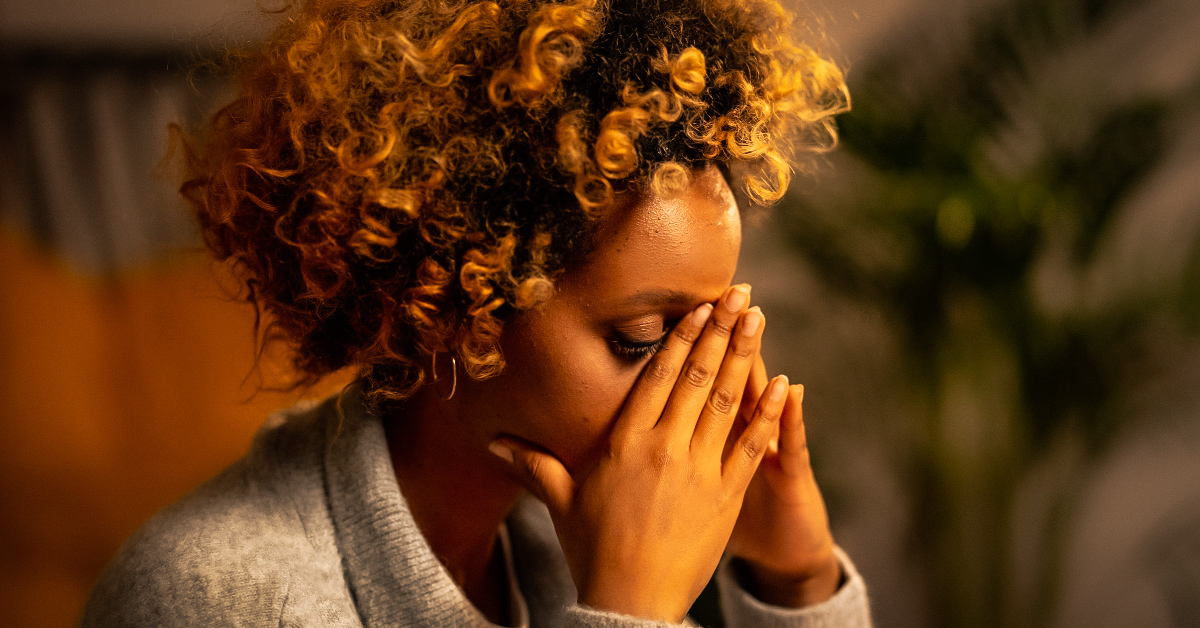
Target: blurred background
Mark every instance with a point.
(991, 291)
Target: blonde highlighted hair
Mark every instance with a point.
(396, 178)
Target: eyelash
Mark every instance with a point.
(636, 351)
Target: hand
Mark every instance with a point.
(644, 530)
(783, 530)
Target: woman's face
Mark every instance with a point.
(572, 362)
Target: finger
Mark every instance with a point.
(726, 395)
(692, 387)
(793, 438)
(539, 472)
(745, 455)
(755, 385)
(649, 395)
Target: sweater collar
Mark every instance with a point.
(392, 572)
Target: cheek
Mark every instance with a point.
(568, 386)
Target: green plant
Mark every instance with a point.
(983, 242)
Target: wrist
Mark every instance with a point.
(638, 602)
(790, 590)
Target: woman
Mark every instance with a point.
(519, 222)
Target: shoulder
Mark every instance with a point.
(239, 549)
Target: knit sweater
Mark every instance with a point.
(310, 529)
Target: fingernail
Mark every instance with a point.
(779, 388)
(700, 316)
(737, 297)
(751, 321)
(501, 450)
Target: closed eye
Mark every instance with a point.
(638, 340)
(636, 351)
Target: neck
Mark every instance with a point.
(457, 491)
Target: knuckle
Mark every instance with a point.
(743, 348)
(687, 333)
(533, 467)
(722, 326)
(722, 400)
(697, 374)
(658, 372)
(662, 458)
(750, 448)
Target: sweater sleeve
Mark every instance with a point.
(847, 608)
(580, 616)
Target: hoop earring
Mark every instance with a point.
(453, 378)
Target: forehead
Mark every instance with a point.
(686, 244)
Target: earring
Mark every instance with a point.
(453, 378)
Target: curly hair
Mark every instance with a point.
(396, 178)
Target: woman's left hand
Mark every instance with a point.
(783, 530)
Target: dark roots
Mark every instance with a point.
(395, 178)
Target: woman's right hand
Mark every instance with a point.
(644, 530)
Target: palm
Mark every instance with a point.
(783, 526)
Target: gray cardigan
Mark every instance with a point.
(310, 529)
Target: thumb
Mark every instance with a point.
(539, 472)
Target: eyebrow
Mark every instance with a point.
(663, 297)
